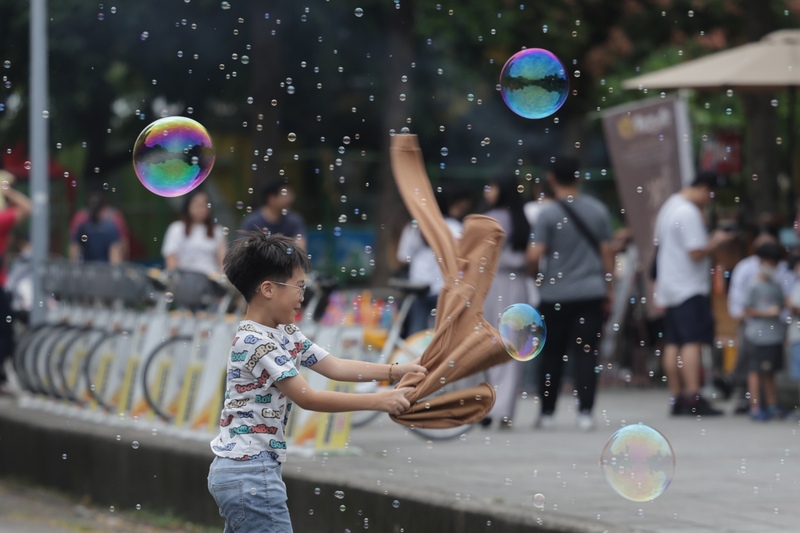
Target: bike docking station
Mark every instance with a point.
(310, 432)
(128, 346)
(125, 345)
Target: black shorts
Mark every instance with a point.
(689, 322)
(764, 359)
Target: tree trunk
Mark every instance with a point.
(763, 152)
(263, 119)
(399, 25)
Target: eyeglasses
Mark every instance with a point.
(301, 288)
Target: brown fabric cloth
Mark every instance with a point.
(463, 343)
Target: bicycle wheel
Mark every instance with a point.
(52, 358)
(412, 348)
(406, 351)
(21, 355)
(38, 355)
(98, 368)
(71, 362)
(162, 373)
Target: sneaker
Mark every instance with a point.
(679, 406)
(776, 412)
(585, 422)
(546, 422)
(700, 406)
(759, 415)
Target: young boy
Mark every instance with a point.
(263, 383)
(764, 333)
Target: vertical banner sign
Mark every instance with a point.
(650, 150)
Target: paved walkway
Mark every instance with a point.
(732, 475)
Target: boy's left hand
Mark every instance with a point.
(413, 366)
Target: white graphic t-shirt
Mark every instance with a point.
(255, 412)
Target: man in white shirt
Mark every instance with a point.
(683, 286)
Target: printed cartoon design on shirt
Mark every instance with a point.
(255, 411)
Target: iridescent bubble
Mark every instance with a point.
(638, 462)
(539, 500)
(173, 155)
(534, 83)
(359, 12)
(523, 331)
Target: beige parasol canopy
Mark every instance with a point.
(770, 64)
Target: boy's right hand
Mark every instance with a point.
(394, 401)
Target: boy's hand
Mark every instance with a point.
(394, 401)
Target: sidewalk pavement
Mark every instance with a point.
(732, 474)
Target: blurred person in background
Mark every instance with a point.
(275, 214)
(195, 243)
(97, 236)
(19, 281)
(98, 200)
(14, 208)
(576, 289)
(504, 204)
(765, 333)
(742, 275)
(423, 267)
(683, 288)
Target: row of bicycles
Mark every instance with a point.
(129, 342)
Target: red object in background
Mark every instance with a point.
(15, 159)
(722, 153)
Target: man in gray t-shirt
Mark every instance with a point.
(573, 234)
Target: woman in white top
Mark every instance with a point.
(195, 243)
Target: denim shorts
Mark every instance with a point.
(251, 495)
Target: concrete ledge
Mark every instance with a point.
(164, 473)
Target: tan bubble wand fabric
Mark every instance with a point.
(464, 343)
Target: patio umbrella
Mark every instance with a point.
(773, 63)
(769, 64)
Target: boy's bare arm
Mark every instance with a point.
(350, 370)
(392, 401)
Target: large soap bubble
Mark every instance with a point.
(638, 463)
(534, 83)
(523, 331)
(173, 155)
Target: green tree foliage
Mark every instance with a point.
(253, 72)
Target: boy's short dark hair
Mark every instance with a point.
(565, 169)
(769, 251)
(258, 257)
